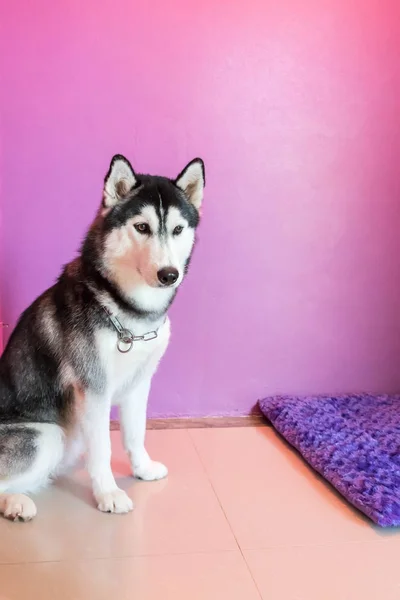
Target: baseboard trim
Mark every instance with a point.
(202, 422)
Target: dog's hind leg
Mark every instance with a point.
(29, 455)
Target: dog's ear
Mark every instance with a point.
(119, 180)
(192, 181)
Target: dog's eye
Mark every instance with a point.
(142, 228)
(178, 230)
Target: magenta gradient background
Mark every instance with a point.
(295, 108)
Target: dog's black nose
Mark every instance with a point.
(168, 275)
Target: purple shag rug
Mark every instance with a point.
(353, 441)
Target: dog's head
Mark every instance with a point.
(148, 225)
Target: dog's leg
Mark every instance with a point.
(29, 456)
(96, 427)
(133, 419)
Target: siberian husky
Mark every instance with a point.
(95, 339)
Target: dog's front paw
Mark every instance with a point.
(151, 471)
(116, 501)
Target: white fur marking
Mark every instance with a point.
(161, 209)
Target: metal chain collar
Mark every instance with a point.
(125, 337)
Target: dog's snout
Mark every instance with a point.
(168, 275)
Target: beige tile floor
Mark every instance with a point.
(239, 517)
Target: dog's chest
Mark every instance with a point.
(125, 370)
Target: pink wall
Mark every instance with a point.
(295, 107)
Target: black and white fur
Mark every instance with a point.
(61, 371)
